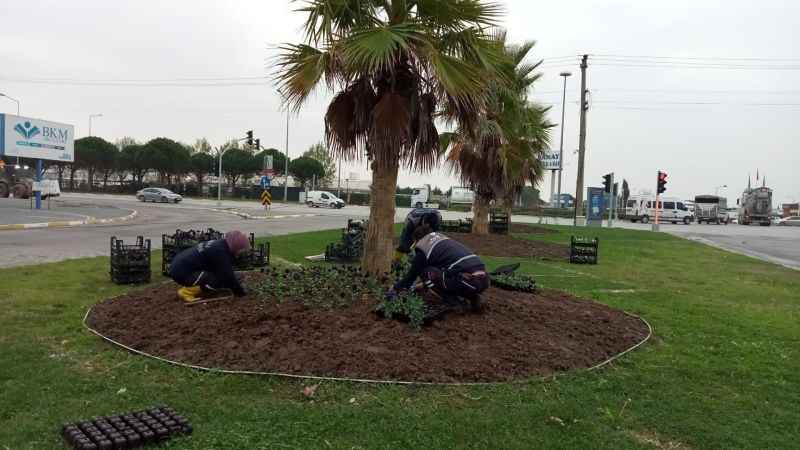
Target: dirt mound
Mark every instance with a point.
(516, 336)
(528, 228)
(507, 245)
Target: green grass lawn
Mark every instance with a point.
(722, 370)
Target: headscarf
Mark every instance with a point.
(237, 242)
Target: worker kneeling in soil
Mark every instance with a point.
(418, 216)
(208, 267)
(446, 267)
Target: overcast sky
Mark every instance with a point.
(724, 104)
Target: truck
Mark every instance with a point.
(15, 181)
(461, 196)
(641, 208)
(755, 206)
(421, 197)
(711, 209)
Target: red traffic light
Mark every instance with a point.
(662, 182)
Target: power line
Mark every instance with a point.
(690, 66)
(698, 58)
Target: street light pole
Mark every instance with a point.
(91, 116)
(12, 99)
(561, 147)
(286, 166)
(17, 102)
(219, 175)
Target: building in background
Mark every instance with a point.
(790, 209)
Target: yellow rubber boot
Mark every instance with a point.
(189, 294)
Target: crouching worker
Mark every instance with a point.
(446, 267)
(208, 267)
(417, 217)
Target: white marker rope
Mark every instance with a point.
(353, 380)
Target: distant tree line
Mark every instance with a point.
(128, 161)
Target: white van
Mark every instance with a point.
(642, 208)
(315, 199)
(421, 197)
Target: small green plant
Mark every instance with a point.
(515, 282)
(408, 305)
(318, 286)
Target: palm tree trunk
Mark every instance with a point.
(480, 215)
(378, 248)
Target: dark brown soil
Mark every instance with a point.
(528, 228)
(508, 245)
(516, 336)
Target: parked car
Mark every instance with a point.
(791, 221)
(315, 199)
(158, 195)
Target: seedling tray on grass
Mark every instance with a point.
(514, 282)
(351, 246)
(498, 222)
(126, 431)
(130, 264)
(583, 250)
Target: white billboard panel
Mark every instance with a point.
(551, 161)
(27, 137)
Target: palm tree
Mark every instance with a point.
(396, 65)
(504, 155)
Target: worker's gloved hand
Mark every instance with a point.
(391, 295)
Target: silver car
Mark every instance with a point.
(790, 221)
(158, 195)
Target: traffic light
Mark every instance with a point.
(258, 144)
(662, 182)
(616, 191)
(250, 138)
(607, 183)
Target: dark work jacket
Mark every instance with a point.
(437, 250)
(213, 257)
(415, 218)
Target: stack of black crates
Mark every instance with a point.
(351, 246)
(498, 222)
(456, 226)
(583, 250)
(130, 264)
(256, 256)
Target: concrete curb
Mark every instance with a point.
(89, 220)
(252, 217)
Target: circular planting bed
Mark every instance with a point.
(508, 245)
(330, 330)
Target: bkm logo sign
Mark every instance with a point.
(27, 130)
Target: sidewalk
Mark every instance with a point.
(16, 214)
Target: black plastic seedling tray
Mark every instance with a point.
(583, 250)
(126, 431)
(130, 264)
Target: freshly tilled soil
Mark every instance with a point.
(517, 336)
(511, 246)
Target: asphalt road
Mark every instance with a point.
(780, 245)
(24, 247)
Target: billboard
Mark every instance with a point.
(551, 161)
(35, 138)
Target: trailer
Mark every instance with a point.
(711, 209)
(755, 206)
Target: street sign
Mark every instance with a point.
(551, 161)
(266, 198)
(595, 206)
(266, 182)
(268, 162)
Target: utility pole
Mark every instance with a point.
(561, 146)
(582, 139)
(611, 198)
